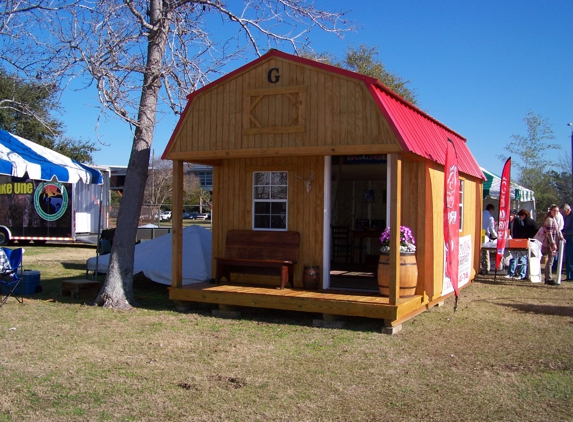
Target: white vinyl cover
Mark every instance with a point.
(153, 257)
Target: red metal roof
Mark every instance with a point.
(420, 133)
(417, 132)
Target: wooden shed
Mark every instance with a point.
(305, 147)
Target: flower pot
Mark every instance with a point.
(310, 278)
(408, 274)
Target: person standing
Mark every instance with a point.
(568, 235)
(560, 219)
(550, 242)
(524, 227)
(530, 226)
(488, 224)
(560, 224)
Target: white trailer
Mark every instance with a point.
(47, 196)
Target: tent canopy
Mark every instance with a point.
(19, 156)
(492, 185)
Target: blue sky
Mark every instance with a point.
(477, 66)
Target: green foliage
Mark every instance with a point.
(534, 170)
(364, 60)
(76, 149)
(560, 184)
(26, 110)
(115, 197)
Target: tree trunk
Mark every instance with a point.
(117, 291)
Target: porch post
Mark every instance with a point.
(177, 226)
(395, 214)
(327, 220)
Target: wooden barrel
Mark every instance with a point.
(408, 274)
(311, 277)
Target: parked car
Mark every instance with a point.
(165, 215)
(196, 216)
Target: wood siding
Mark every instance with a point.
(233, 207)
(307, 111)
(422, 204)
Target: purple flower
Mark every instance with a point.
(407, 240)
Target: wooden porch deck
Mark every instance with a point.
(335, 302)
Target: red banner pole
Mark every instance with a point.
(503, 215)
(451, 216)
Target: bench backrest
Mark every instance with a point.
(249, 244)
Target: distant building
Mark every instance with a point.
(117, 178)
(204, 173)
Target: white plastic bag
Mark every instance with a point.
(540, 235)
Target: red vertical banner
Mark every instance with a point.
(504, 207)
(452, 215)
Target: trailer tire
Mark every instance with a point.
(4, 238)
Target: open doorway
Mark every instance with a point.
(359, 202)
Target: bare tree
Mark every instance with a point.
(159, 187)
(535, 170)
(138, 53)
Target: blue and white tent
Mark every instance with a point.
(19, 156)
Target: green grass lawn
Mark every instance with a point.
(506, 354)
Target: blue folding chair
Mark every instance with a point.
(11, 278)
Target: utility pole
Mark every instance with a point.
(153, 176)
(571, 126)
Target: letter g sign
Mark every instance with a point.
(273, 75)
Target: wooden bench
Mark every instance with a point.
(259, 252)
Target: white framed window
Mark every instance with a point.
(461, 205)
(270, 200)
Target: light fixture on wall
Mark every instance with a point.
(307, 182)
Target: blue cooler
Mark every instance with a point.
(30, 280)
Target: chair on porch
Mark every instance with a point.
(341, 246)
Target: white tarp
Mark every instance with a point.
(153, 257)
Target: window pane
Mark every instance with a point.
(270, 194)
(262, 207)
(278, 222)
(279, 177)
(279, 192)
(261, 192)
(278, 207)
(262, 221)
(262, 178)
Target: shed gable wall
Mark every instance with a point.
(306, 108)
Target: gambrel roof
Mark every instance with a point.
(312, 109)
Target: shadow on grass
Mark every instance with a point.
(155, 296)
(74, 266)
(503, 282)
(528, 308)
